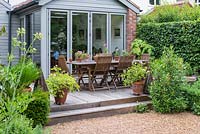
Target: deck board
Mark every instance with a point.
(86, 97)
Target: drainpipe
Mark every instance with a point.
(9, 31)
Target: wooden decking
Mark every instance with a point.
(87, 104)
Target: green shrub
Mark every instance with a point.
(30, 72)
(184, 36)
(196, 108)
(170, 13)
(38, 110)
(20, 125)
(165, 90)
(192, 95)
(142, 108)
(18, 77)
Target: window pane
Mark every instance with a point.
(28, 30)
(37, 29)
(58, 36)
(151, 2)
(79, 32)
(22, 26)
(99, 32)
(157, 2)
(117, 33)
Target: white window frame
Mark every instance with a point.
(124, 36)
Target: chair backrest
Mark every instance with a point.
(103, 63)
(125, 62)
(62, 63)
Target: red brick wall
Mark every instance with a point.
(131, 21)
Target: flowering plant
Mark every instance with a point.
(81, 55)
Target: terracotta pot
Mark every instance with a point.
(78, 59)
(116, 58)
(61, 97)
(138, 87)
(70, 59)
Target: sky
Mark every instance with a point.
(14, 2)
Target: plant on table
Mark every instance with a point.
(59, 84)
(79, 56)
(125, 53)
(116, 55)
(135, 75)
(141, 48)
(105, 49)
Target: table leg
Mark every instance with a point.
(90, 84)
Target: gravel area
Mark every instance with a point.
(133, 123)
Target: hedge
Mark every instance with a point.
(183, 36)
(171, 13)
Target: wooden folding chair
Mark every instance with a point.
(101, 69)
(124, 63)
(62, 63)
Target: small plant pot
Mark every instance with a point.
(78, 59)
(61, 97)
(138, 87)
(116, 58)
(70, 59)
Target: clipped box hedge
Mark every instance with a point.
(183, 36)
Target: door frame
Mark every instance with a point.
(49, 34)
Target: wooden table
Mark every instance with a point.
(89, 65)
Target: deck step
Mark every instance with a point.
(66, 107)
(65, 116)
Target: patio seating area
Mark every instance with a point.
(101, 73)
(101, 89)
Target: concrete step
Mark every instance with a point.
(65, 107)
(65, 116)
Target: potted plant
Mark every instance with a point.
(141, 49)
(116, 55)
(78, 56)
(135, 76)
(125, 53)
(84, 56)
(59, 84)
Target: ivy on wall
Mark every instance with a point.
(183, 36)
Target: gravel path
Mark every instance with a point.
(148, 123)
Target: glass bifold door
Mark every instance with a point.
(84, 31)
